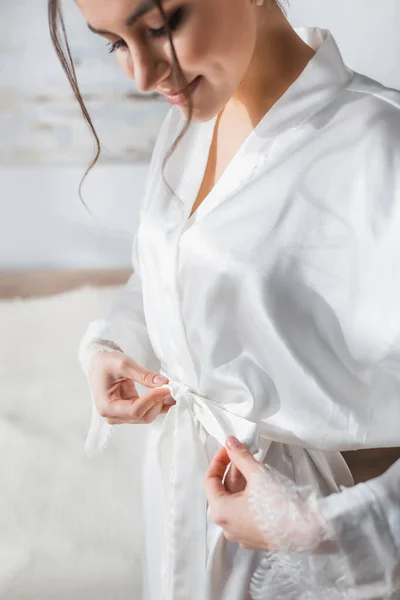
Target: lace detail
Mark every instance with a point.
(296, 577)
(287, 515)
(298, 565)
(361, 518)
(87, 352)
(339, 546)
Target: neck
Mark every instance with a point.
(279, 57)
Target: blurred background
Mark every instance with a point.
(70, 527)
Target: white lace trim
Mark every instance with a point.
(294, 529)
(326, 548)
(287, 515)
(297, 577)
(88, 350)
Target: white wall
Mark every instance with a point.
(367, 32)
(43, 224)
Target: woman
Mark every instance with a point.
(263, 285)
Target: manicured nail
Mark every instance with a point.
(233, 443)
(159, 379)
(169, 400)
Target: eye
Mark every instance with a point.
(173, 23)
(116, 46)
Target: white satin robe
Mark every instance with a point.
(274, 313)
(364, 522)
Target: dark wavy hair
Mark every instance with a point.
(60, 42)
(59, 38)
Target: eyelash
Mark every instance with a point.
(174, 22)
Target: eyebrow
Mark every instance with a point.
(144, 7)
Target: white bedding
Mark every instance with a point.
(70, 527)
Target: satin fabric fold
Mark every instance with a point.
(183, 436)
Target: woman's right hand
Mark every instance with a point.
(112, 380)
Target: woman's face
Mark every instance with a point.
(214, 41)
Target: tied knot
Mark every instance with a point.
(177, 388)
(215, 418)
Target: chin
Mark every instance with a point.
(200, 114)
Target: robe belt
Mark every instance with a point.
(183, 463)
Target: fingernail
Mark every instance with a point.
(169, 400)
(159, 379)
(233, 443)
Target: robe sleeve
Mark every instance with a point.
(358, 528)
(373, 314)
(364, 521)
(124, 325)
(124, 328)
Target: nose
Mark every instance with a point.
(148, 70)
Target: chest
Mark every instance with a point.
(224, 145)
(295, 235)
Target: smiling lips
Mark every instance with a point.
(169, 93)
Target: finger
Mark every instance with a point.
(241, 457)
(141, 374)
(166, 407)
(147, 418)
(158, 397)
(136, 409)
(234, 481)
(123, 388)
(213, 480)
(153, 412)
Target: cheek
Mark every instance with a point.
(226, 49)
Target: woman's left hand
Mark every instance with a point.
(229, 500)
(258, 507)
